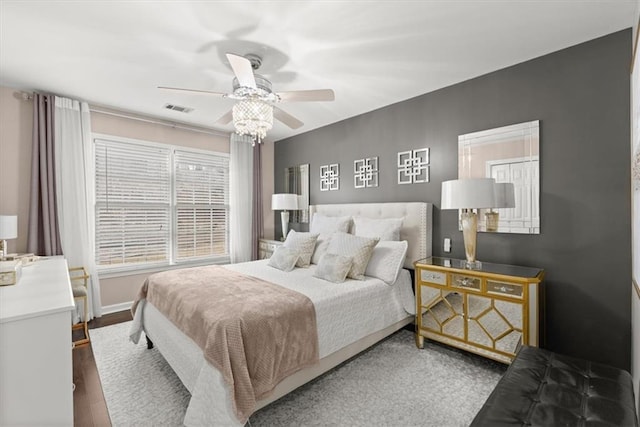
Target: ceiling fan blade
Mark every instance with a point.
(307, 95)
(242, 69)
(226, 119)
(286, 118)
(208, 92)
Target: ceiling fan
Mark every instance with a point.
(254, 112)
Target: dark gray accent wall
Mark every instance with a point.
(581, 95)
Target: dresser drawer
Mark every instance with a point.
(466, 282)
(502, 288)
(434, 277)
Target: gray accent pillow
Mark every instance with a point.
(302, 243)
(333, 267)
(360, 248)
(283, 259)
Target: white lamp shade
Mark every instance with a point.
(284, 202)
(476, 193)
(8, 227)
(505, 195)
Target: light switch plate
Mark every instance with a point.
(447, 244)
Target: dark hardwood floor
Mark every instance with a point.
(89, 406)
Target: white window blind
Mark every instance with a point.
(201, 205)
(157, 205)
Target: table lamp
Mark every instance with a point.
(284, 202)
(469, 194)
(505, 197)
(8, 230)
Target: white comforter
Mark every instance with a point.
(345, 313)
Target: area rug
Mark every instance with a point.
(391, 384)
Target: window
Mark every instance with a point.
(159, 205)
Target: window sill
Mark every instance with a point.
(158, 268)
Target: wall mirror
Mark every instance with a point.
(507, 154)
(296, 180)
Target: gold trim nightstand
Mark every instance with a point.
(491, 311)
(266, 247)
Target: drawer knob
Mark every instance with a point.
(466, 282)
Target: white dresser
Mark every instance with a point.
(36, 372)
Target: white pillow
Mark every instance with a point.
(333, 267)
(387, 260)
(325, 226)
(322, 224)
(302, 243)
(383, 228)
(283, 259)
(360, 248)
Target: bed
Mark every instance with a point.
(351, 316)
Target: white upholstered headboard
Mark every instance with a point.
(416, 226)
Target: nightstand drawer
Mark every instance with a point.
(466, 282)
(502, 288)
(272, 246)
(433, 277)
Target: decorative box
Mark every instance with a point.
(26, 259)
(10, 272)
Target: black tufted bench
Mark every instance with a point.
(542, 388)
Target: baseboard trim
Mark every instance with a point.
(114, 308)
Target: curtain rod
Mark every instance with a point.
(26, 96)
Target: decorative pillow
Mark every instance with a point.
(283, 259)
(387, 260)
(384, 228)
(301, 243)
(333, 267)
(325, 226)
(360, 248)
(322, 224)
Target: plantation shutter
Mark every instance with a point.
(201, 205)
(133, 205)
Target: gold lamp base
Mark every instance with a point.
(470, 233)
(492, 218)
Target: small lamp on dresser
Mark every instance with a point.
(469, 194)
(284, 202)
(504, 193)
(8, 230)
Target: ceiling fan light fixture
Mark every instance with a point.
(253, 117)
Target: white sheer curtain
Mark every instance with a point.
(241, 197)
(74, 181)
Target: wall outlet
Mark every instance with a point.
(447, 244)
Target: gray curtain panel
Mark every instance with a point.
(43, 237)
(257, 228)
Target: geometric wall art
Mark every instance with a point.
(330, 177)
(413, 166)
(365, 172)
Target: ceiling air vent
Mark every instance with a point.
(178, 108)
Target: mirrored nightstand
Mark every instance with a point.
(491, 311)
(266, 247)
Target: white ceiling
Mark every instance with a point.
(371, 53)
